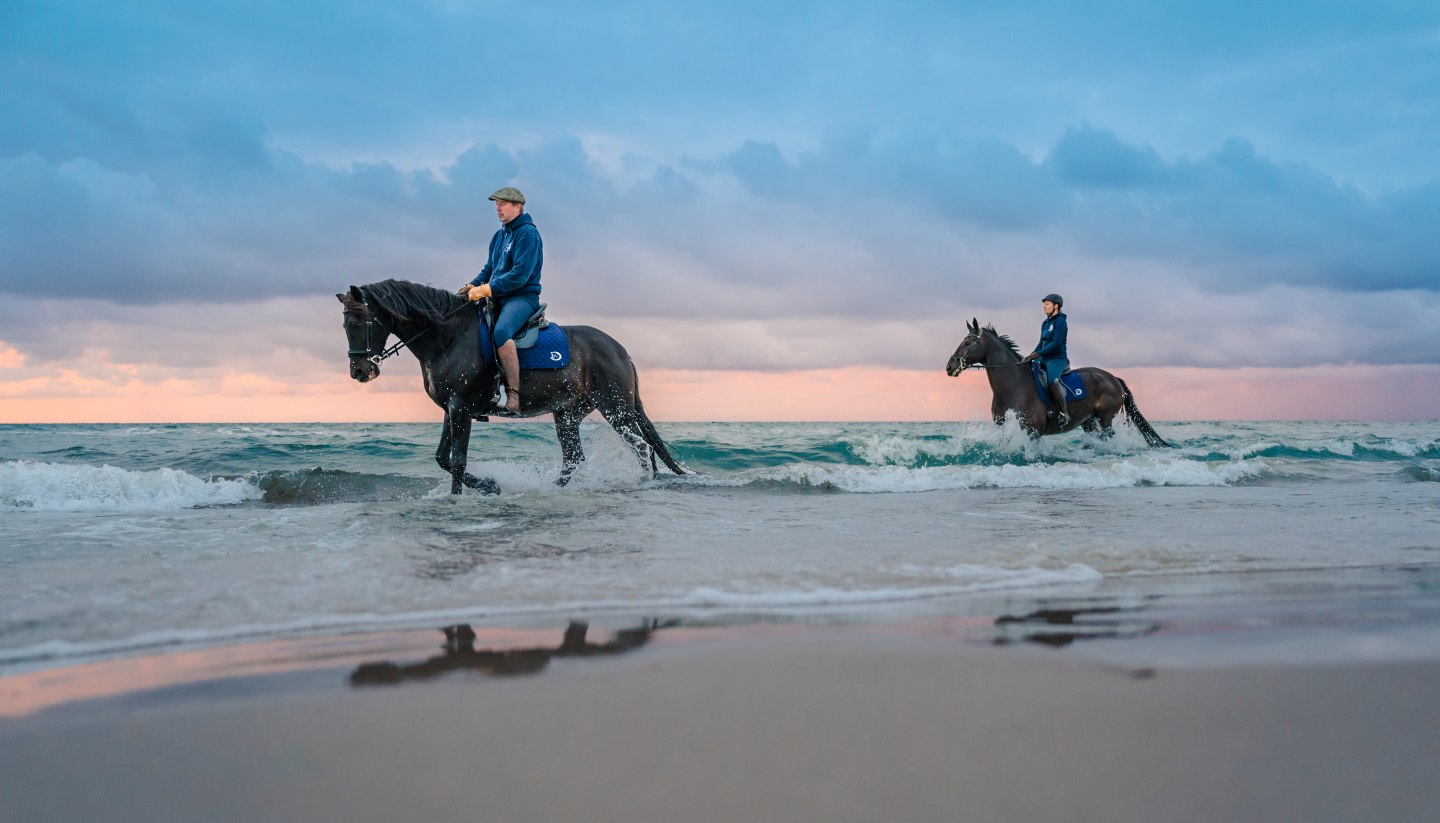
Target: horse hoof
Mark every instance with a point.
(484, 485)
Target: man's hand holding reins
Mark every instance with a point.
(476, 293)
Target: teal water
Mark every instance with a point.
(119, 538)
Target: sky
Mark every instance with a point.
(783, 211)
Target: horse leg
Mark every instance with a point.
(442, 451)
(567, 429)
(457, 423)
(626, 422)
(453, 452)
(1106, 416)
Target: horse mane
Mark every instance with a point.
(1004, 338)
(409, 302)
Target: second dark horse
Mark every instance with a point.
(445, 337)
(1014, 389)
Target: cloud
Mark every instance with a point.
(1090, 158)
(730, 185)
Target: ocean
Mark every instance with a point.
(118, 540)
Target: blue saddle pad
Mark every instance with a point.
(551, 349)
(1074, 386)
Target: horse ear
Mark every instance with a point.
(975, 324)
(355, 293)
(343, 298)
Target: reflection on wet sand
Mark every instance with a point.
(460, 654)
(1061, 627)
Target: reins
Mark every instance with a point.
(395, 349)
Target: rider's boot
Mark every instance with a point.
(1062, 407)
(510, 368)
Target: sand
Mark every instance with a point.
(827, 725)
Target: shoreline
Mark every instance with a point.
(793, 723)
(1357, 615)
(1277, 696)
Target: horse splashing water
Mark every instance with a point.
(444, 335)
(1014, 390)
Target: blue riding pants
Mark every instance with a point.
(511, 317)
(1054, 367)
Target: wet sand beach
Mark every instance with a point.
(912, 721)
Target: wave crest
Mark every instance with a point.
(33, 486)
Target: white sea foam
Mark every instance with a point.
(33, 486)
(960, 579)
(1102, 474)
(959, 443)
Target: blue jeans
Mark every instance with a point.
(511, 317)
(1054, 367)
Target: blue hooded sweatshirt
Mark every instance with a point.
(515, 259)
(1052, 338)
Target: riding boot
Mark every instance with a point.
(510, 368)
(1062, 407)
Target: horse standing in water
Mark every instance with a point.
(1013, 387)
(445, 337)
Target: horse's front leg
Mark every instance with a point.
(454, 450)
(442, 451)
(567, 430)
(457, 432)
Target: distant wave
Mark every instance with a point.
(987, 445)
(28, 485)
(1336, 449)
(183, 468)
(1423, 473)
(1108, 474)
(33, 486)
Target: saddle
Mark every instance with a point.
(530, 332)
(1074, 386)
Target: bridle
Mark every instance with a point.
(369, 352)
(965, 364)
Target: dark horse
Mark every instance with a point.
(444, 335)
(1014, 389)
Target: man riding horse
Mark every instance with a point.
(1050, 351)
(511, 278)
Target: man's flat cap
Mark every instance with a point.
(509, 194)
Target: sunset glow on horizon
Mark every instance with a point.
(850, 394)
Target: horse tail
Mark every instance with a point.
(652, 437)
(1132, 411)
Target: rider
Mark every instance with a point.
(1050, 351)
(511, 278)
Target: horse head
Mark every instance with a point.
(366, 334)
(971, 350)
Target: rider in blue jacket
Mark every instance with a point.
(511, 278)
(1050, 351)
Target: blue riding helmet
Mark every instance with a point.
(1054, 298)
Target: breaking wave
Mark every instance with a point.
(28, 485)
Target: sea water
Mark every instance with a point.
(121, 539)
